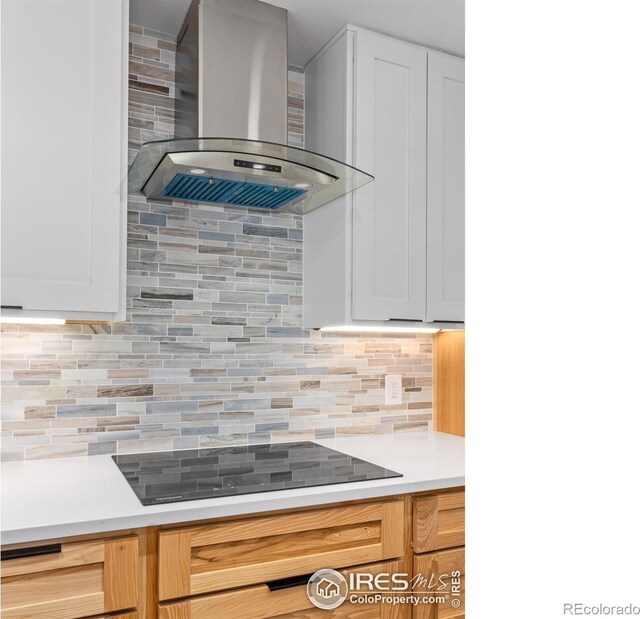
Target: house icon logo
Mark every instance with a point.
(327, 589)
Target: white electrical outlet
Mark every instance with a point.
(393, 389)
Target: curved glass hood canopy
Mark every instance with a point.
(232, 82)
(239, 172)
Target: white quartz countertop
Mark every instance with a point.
(63, 497)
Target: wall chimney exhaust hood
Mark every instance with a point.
(231, 82)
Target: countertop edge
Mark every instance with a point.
(269, 504)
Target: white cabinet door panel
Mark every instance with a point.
(445, 189)
(63, 168)
(396, 249)
(389, 214)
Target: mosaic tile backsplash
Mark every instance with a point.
(212, 351)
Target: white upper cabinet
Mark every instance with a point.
(390, 253)
(389, 215)
(64, 124)
(445, 189)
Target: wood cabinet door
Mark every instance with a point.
(63, 154)
(219, 556)
(71, 580)
(441, 578)
(438, 521)
(389, 214)
(265, 602)
(445, 189)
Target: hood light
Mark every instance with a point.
(17, 320)
(368, 329)
(197, 171)
(301, 185)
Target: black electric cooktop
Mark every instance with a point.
(171, 476)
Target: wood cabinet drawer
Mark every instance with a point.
(214, 557)
(438, 521)
(260, 602)
(440, 574)
(72, 580)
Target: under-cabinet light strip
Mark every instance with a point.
(32, 321)
(370, 329)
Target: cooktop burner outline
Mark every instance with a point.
(205, 473)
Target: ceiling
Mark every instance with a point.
(434, 23)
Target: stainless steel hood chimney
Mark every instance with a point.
(231, 82)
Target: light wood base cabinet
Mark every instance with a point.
(438, 521)
(69, 581)
(214, 557)
(261, 602)
(251, 567)
(445, 569)
(439, 531)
